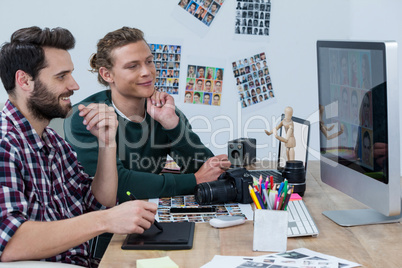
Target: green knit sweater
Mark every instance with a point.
(142, 149)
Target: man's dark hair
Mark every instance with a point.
(25, 52)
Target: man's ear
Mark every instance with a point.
(106, 74)
(24, 80)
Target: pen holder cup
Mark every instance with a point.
(270, 230)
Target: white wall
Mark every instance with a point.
(290, 49)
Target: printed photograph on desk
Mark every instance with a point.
(203, 11)
(301, 257)
(253, 80)
(252, 17)
(188, 201)
(204, 85)
(167, 65)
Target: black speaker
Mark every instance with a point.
(242, 152)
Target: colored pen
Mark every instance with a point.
(257, 194)
(289, 196)
(264, 192)
(266, 182)
(254, 197)
(285, 188)
(280, 189)
(272, 197)
(271, 178)
(255, 183)
(286, 201)
(281, 200)
(132, 197)
(256, 188)
(276, 201)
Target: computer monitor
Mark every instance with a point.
(359, 127)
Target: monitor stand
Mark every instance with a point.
(357, 217)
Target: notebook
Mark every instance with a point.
(302, 136)
(175, 236)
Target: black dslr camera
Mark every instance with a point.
(231, 186)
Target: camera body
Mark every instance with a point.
(231, 186)
(242, 152)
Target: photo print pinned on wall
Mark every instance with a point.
(253, 80)
(167, 65)
(198, 15)
(204, 85)
(252, 17)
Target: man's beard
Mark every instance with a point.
(45, 105)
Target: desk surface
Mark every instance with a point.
(371, 245)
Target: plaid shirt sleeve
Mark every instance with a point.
(13, 204)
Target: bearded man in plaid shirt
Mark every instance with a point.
(49, 206)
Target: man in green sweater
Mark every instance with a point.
(150, 126)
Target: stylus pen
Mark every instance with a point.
(132, 197)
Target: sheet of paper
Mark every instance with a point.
(163, 262)
(301, 257)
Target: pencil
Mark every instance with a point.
(257, 194)
(254, 197)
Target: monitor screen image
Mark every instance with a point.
(359, 127)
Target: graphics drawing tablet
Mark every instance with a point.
(175, 235)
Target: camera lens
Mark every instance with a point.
(215, 192)
(235, 154)
(296, 175)
(294, 171)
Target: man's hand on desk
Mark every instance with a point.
(212, 168)
(129, 217)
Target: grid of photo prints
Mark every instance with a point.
(188, 201)
(300, 257)
(253, 17)
(253, 80)
(204, 85)
(167, 64)
(203, 10)
(350, 82)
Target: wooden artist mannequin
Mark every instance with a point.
(289, 139)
